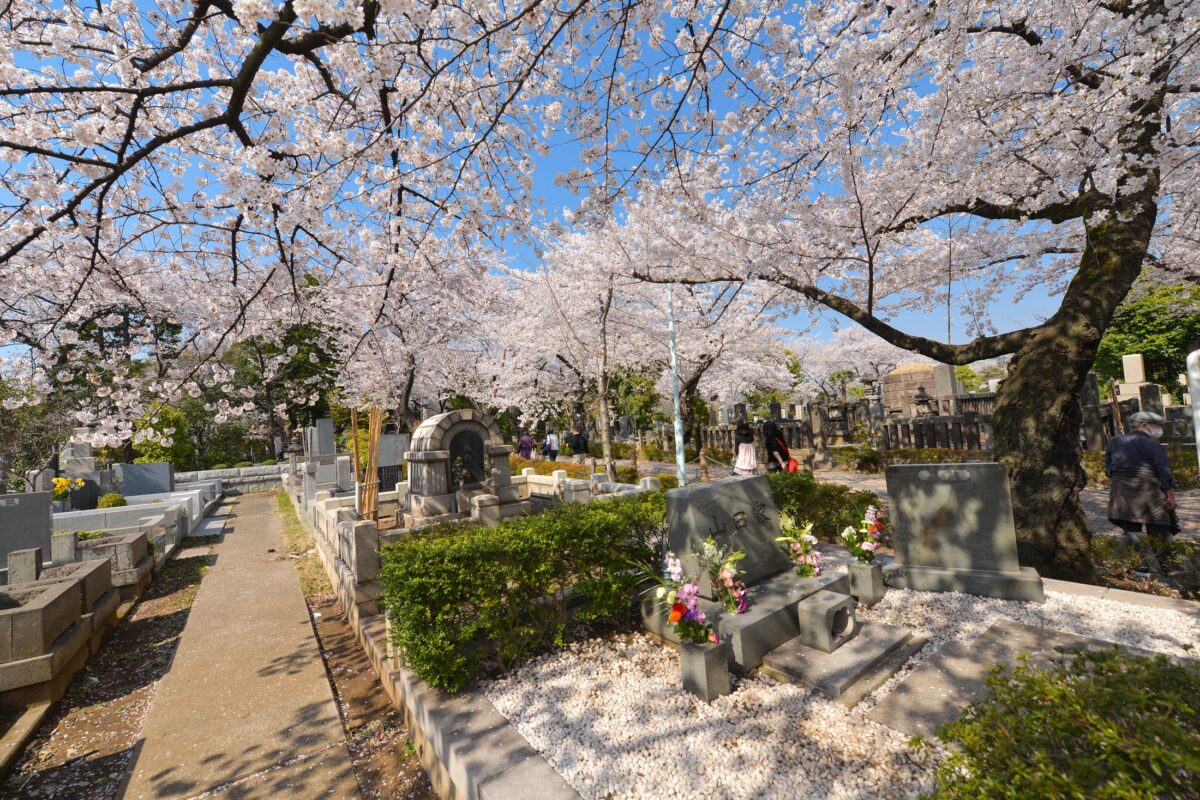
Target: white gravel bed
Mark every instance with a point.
(610, 716)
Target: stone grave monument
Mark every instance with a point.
(75, 460)
(953, 531)
(797, 629)
(26, 523)
(136, 479)
(455, 459)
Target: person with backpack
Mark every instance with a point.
(550, 447)
(777, 451)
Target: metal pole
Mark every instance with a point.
(1193, 371)
(680, 461)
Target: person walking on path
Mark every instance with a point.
(525, 446)
(551, 446)
(777, 451)
(579, 446)
(746, 460)
(1141, 499)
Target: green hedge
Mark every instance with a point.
(1183, 466)
(577, 471)
(465, 599)
(1104, 726)
(112, 500)
(829, 506)
(868, 459)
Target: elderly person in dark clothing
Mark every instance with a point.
(1142, 497)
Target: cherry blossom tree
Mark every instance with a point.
(853, 354)
(883, 156)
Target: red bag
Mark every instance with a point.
(792, 465)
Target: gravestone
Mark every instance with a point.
(136, 479)
(954, 532)
(25, 522)
(776, 410)
(739, 412)
(325, 444)
(738, 513)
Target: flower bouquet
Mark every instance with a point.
(721, 565)
(63, 486)
(801, 546)
(681, 596)
(871, 533)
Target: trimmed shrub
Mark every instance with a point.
(1102, 725)
(668, 482)
(829, 506)
(544, 467)
(219, 466)
(87, 536)
(868, 459)
(112, 500)
(244, 464)
(464, 599)
(267, 462)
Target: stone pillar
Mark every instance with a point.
(1193, 376)
(1093, 426)
(63, 547)
(24, 566)
(651, 484)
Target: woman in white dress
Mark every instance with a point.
(745, 462)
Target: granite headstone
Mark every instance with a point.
(954, 531)
(136, 479)
(738, 513)
(25, 522)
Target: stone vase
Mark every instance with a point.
(866, 582)
(59, 506)
(705, 669)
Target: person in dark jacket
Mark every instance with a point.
(1141, 499)
(777, 451)
(579, 446)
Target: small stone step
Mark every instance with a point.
(853, 669)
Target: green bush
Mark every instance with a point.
(829, 506)
(1183, 466)
(466, 599)
(111, 500)
(620, 450)
(868, 459)
(244, 464)
(544, 467)
(1102, 726)
(87, 536)
(668, 482)
(267, 462)
(219, 466)
(719, 455)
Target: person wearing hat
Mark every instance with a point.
(1141, 500)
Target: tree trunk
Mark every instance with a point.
(1038, 414)
(606, 428)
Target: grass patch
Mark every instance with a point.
(300, 546)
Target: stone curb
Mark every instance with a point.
(12, 744)
(465, 745)
(1121, 595)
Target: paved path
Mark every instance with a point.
(245, 710)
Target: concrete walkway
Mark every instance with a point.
(245, 710)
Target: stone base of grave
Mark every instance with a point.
(45, 678)
(1025, 585)
(770, 621)
(851, 671)
(521, 508)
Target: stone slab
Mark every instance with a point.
(1024, 585)
(25, 522)
(137, 479)
(938, 690)
(770, 620)
(835, 673)
(736, 512)
(957, 516)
